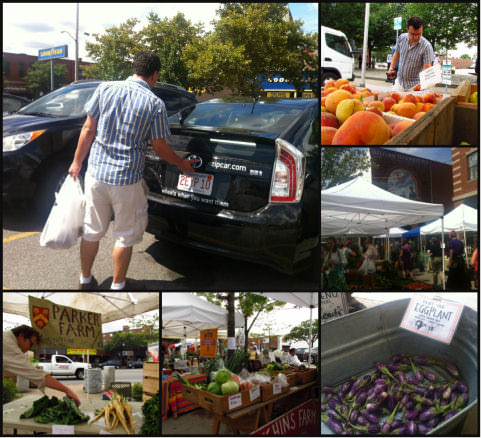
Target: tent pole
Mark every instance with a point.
(442, 247)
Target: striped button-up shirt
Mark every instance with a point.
(128, 115)
(412, 59)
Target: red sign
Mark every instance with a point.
(40, 316)
(303, 420)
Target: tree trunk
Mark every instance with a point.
(230, 323)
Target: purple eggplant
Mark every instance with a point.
(433, 422)
(323, 407)
(334, 425)
(405, 399)
(419, 375)
(427, 414)
(447, 393)
(423, 429)
(385, 428)
(353, 416)
(382, 396)
(450, 414)
(399, 431)
(373, 429)
(396, 423)
(411, 415)
(371, 407)
(393, 367)
(460, 387)
(390, 402)
(461, 401)
(400, 376)
(411, 428)
(361, 398)
(342, 409)
(396, 358)
(370, 417)
(328, 389)
(412, 380)
(422, 360)
(345, 387)
(424, 400)
(453, 370)
(331, 413)
(333, 403)
(409, 405)
(430, 376)
(362, 421)
(380, 387)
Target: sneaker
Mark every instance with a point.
(133, 285)
(88, 286)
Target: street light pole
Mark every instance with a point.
(76, 45)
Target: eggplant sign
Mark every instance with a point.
(333, 305)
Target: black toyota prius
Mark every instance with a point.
(39, 140)
(255, 193)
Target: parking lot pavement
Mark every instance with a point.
(156, 265)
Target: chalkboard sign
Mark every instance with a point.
(333, 305)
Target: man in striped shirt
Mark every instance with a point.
(414, 54)
(121, 117)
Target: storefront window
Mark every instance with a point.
(473, 166)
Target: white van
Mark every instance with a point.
(336, 56)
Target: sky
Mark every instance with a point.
(443, 155)
(28, 27)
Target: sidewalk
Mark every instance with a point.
(377, 75)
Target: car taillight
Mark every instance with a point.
(288, 174)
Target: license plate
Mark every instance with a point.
(196, 183)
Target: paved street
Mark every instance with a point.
(121, 375)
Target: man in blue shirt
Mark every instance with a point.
(414, 53)
(121, 117)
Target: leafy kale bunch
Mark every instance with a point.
(151, 411)
(45, 410)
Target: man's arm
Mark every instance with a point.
(429, 64)
(87, 136)
(165, 152)
(395, 60)
(55, 384)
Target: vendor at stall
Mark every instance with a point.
(293, 360)
(413, 54)
(16, 343)
(266, 357)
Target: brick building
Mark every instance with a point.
(465, 176)
(412, 177)
(15, 68)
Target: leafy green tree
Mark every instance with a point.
(341, 164)
(149, 324)
(251, 42)
(38, 77)
(126, 341)
(301, 332)
(466, 56)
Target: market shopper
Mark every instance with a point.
(368, 267)
(293, 360)
(333, 266)
(474, 263)
(406, 259)
(458, 278)
(16, 343)
(121, 117)
(436, 254)
(413, 54)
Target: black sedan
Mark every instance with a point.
(255, 193)
(139, 363)
(11, 103)
(39, 140)
(110, 363)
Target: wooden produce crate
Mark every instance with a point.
(307, 376)
(224, 404)
(291, 377)
(465, 124)
(267, 391)
(190, 393)
(463, 93)
(434, 128)
(150, 379)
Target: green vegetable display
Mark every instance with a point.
(9, 391)
(229, 388)
(222, 376)
(275, 366)
(151, 411)
(65, 411)
(214, 388)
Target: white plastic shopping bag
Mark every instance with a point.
(65, 221)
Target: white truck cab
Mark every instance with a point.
(60, 365)
(336, 56)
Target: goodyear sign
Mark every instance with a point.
(65, 327)
(80, 351)
(52, 53)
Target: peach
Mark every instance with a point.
(330, 83)
(323, 108)
(418, 98)
(328, 119)
(419, 106)
(409, 98)
(323, 101)
(401, 126)
(406, 109)
(348, 87)
(395, 107)
(365, 92)
(388, 102)
(429, 98)
(340, 82)
(376, 104)
(334, 98)
(396, 96)
(391, 127)
(362, 128)
(418, 115)
(427, 107)
(328, 91)
(375, 110)
(327, 134)
(347, 108)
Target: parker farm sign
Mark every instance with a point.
(65, 327)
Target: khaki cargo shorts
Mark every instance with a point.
(128, 205)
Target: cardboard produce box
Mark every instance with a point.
(190, 393)
(228, 403)
(272, 390)
(150, 379)
(306, 376)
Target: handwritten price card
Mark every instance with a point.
(333, 305)
(432, 317)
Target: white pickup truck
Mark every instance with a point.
(63, 366)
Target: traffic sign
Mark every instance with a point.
(398, 23)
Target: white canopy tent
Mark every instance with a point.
(303, 299)
(111, 305)
(462, 218)
(393, 232)
(185, 315)
(360, 208)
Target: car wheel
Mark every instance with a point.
(328, 75)
(79, 374)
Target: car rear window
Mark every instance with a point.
(258, 117)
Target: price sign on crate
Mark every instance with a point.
(432, 317)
